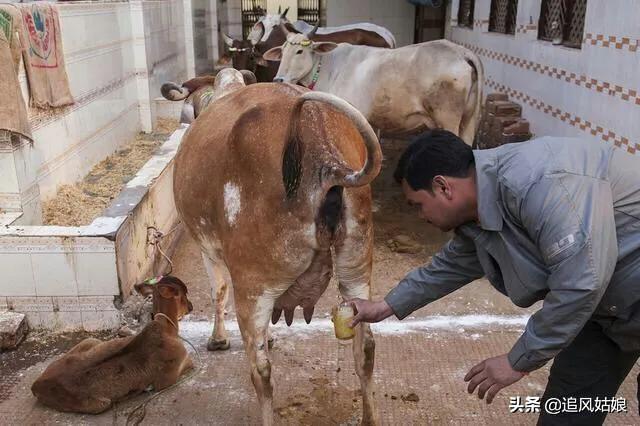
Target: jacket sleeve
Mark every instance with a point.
(570, 218)
(455, 265)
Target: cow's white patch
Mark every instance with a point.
(232, 204)
(353, 290)
(264, 306)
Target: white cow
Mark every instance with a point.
(402, 91)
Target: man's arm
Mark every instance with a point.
(570, 218)
(455, 265)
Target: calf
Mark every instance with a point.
(272, 182)
(95, 374)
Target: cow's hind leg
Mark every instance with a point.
(218, 276)
(353, 268)
(253, 313)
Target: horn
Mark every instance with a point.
(313, 31)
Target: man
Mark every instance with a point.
(553, 219)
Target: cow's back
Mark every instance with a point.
(390, 86)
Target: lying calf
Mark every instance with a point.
(94, 374)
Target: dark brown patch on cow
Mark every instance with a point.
(293, 152)
(330, 214)
(197, 82)
(292, 166)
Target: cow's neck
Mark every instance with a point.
(310, 81)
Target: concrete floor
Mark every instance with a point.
(315, 384)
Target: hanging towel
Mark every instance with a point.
(43, 56)
(13, 110)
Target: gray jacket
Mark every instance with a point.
(559, 221)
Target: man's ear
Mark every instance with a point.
(440, 185)
(323, 47)
(273, 54)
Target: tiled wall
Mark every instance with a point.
(68, 278)
(397, 16)
(117, 56)
(60, 282)
(592, 92)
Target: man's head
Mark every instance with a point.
(436, 173)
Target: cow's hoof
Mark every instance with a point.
(218, 345)
(271, 342)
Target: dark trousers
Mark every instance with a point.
(591, 366)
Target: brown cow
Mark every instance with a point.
(199, 92)
(95, 374)
(269, 181)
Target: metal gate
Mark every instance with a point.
(309, 11)
(563, 20)
(252, 11)
(502, 18)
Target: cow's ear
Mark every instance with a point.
(260, 61)
(289, 26)
(324, 47)
(256, 34)
(273, 54)
(227, 40)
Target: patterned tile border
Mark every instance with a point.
(575, 121)
(620, 43)
(629, 95)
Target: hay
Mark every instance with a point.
(80, 204)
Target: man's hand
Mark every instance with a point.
(368, 311)
(490, 376)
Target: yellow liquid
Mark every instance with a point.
(342, 316)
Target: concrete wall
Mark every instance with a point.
(70, 278)
(117, 55)
(397, 16)
(592, 92)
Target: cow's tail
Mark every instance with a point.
(173, 92)
(341, 175)
(473, 109)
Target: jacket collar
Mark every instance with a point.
(489, 210)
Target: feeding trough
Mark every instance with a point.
(75, 277)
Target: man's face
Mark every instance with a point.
(438, 207)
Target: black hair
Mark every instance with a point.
(432, 153)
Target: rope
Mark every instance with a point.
(157, 240)
(136, 416)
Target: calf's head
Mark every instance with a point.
(169, 296)
(297, 56)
